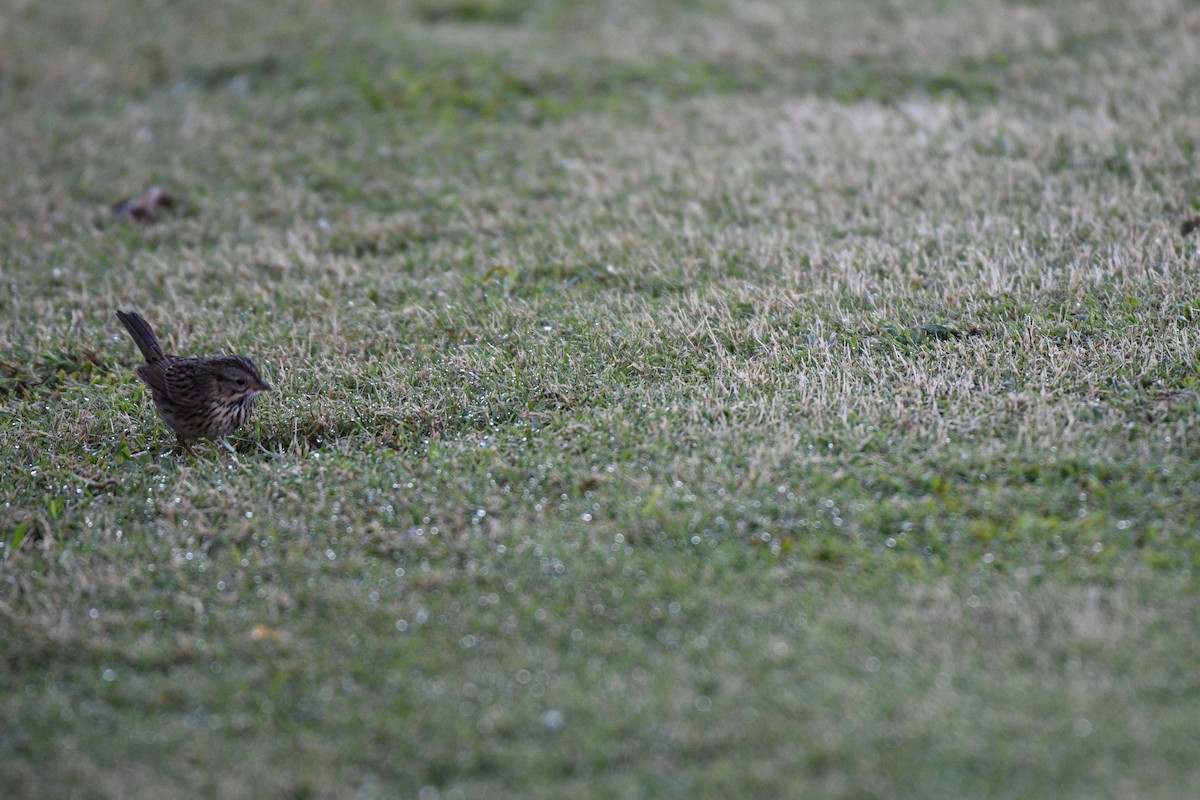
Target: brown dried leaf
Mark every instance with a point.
(146, 205)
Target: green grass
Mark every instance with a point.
(677, 400)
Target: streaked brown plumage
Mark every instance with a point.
(200, 398)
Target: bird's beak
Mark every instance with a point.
(263, 386)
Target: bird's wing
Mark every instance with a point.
(154, 375)
(185, 381)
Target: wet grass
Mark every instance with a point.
(705, 401)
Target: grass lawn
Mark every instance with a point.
(705, 399)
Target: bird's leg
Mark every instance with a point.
(188, 448)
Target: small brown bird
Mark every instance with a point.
(200, 398)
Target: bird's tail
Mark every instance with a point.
(143, 335)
